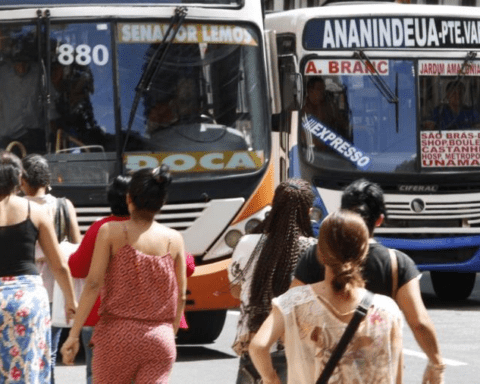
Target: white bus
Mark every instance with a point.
(104, 87)
(391, 92)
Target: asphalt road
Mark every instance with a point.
(457, 325)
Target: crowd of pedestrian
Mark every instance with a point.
(300, 296)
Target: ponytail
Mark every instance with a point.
(343, 246)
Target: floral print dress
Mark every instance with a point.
(24, 330)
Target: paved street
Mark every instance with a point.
(457, 324)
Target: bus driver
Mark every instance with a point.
(454, 115)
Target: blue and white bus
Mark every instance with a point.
(104, 87)
(400, 105)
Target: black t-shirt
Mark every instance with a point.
(377, 270)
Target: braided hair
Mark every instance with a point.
(342, 246)
(278, 248)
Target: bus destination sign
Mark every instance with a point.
(391, 32)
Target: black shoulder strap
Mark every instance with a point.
(394, 263)
(62, 219)
(58, 220)
(352, 326)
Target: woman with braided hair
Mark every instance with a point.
(312, 318)
(263, 264)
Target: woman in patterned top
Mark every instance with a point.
(312, 318)
(139, 265)
(263, 264)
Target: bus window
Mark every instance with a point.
(81, 87)
(348, 122)
(448, 103)
(21, 113)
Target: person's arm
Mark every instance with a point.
(93, 284)
(74, 231)
(235, 290)
(396, 340)
(272, 329)
(181, 272)
(47, 239)
(410, 301)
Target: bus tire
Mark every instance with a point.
(450, 286)
(203, 327)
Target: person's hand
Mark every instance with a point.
(434, 374)
(70, 349)
(271, 380)
(70, 310)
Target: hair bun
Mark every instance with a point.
(162, 175)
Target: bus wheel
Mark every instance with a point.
(203, 327)
(453, 285)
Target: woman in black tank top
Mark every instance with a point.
(25, 345)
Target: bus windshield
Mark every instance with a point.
(70, 96)
(204, 96)
(391, 115)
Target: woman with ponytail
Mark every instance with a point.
(263, 264)
(312, 318)
(139, 265)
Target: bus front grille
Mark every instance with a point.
(432, 211)
(176, 216)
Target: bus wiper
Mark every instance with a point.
(154, 65)
(45, 66)
(377, 80)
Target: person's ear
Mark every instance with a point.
(380, 220)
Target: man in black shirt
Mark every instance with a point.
(366, 198)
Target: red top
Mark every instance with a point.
(190, 260)
(79, 262)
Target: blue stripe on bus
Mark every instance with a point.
(471, 265)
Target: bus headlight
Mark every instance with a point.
(227, 243)
(251, 225)
(316, 214)
(233, 237)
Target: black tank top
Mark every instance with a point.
(17, 245)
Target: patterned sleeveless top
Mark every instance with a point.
(139, 286)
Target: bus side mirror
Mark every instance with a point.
(272, 68)
(291, 84)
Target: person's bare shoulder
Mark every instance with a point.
(39, 213)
